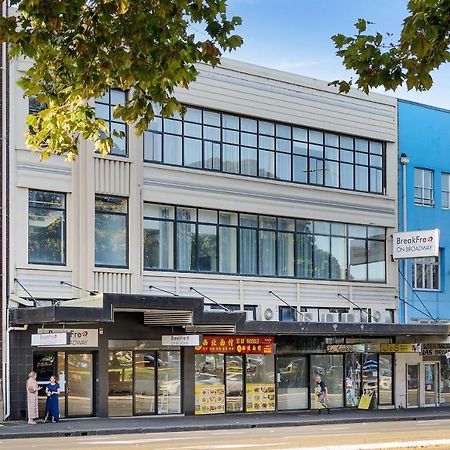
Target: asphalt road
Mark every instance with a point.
(383, 435)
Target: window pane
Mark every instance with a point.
(267, 258)
(338, 258)
(300, 134)
(357, 231)
(287, 314)
(230, 121)
(230, 158)
(357, 255)
(316, 137)
(186, 246)
(158, 244)
(249, 163)
(361, 178)
(293, 382)
(300, 169)
(158, 211)
(193, 115)
(300, 148)
(267, 142)
(46, 228)
(376, 148)
(266, 164)
(230, 137)
(247, 251)
(172, 149)
(120, 375)
(227, 250)
(207, 252)
(283, 131)
(144, 383)
(169, 382)
(304, 255)
(285, 248)
(362, 145)
(316, 150)
(212, 155)
(172, 126)
(249, 140)
(316, 171)
(193, 130)
(376, 258)
(331, 173)
(376, 180)
(211, 118)
(332, 140)
(249, 125)
(330, 369)
(385, 379)
(119, 146)
(266, 128)
(192, 152)
(346, 142)
(152, 146)
(111, 240)
(322, 257)
(352, 379)
(283, 166)
(211, 133)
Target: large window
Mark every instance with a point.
(423, 187)
(445, 188)
(111, 231)
(46, 228)
(241, 145)
(426, 274)
(200, 240)
(104, 109)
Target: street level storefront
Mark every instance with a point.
(110, 358)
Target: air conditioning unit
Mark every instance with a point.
(332, 318)
(308, 317)
(249, 315)
(350, 317)
(376, 316)
(323, 317)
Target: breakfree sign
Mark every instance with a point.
(416, 244)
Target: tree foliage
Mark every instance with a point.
(81, 48)
(422, 47)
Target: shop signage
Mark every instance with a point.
(78, 337)
(401, 348)
(182, 340)
(237, 344)
(346, 348)
(49, 339)
(436, 350)
(416, 244)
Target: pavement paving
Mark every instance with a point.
(96, 426)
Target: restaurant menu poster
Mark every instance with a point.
(260, 397)
(210, 399)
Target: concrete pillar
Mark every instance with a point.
(188, 378)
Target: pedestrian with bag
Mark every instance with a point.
(32, 398)
(321, 394)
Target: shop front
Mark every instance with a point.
(117, 364)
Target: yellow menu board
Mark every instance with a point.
(210, 399)
(260, 397)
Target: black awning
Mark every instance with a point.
(130, 302)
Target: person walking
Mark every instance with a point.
(52, 404)
(32, 398)
(321, 394)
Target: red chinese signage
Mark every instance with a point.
(237, 344)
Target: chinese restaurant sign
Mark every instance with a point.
(237, 344)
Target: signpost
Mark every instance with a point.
(416, 244)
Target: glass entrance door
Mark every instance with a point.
(292, 382)
(79, 384)
(234, 383)
(432, 384)
(412, 385)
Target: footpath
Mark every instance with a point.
(156, 424)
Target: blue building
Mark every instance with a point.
(424, 159)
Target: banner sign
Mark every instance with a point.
(416, 244)
(49, 339)
(237, 344)
(401, 348)
(346, 348)
(78, 337)
(181, 340)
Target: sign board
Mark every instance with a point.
(237, 344)
(401, 348)
(435, 349)
(346, 348)
(366, 399)
(416, 244)
(49, 339)
(182, 340)
(78, 337)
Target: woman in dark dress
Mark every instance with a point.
(52, 403)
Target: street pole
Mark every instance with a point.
(404, 161)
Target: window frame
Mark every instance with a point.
(422, 200)
(425, 263)
(64, 228)
(445, 193)
(276, 141)
(111, 120)
(127, 225)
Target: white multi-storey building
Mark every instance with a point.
(272, 195)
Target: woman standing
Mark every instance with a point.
(52, 403)
(32, 398)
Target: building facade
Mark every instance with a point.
(261, 221)
(427, 172)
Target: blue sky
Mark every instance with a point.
(294, 35)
